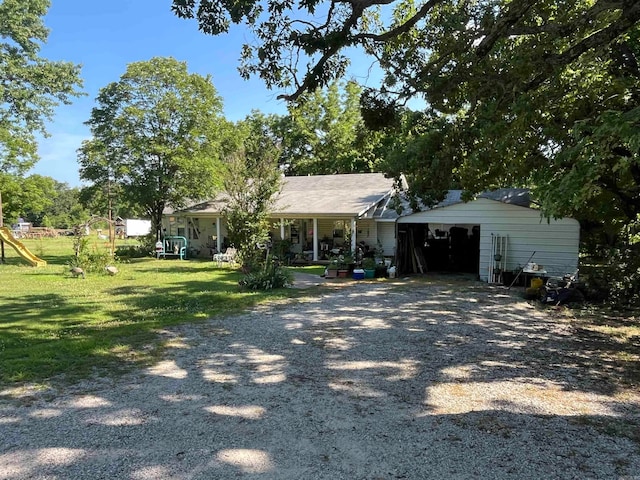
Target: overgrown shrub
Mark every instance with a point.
(92, 262)
(614, 276)
(271, 275)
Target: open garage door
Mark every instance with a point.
(426, 247)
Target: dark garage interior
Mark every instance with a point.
(448, 248)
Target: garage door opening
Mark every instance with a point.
(438, 248)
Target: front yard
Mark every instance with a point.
(52, 324)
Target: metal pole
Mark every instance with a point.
(518, 275)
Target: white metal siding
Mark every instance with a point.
(556, 242)
(387, 236)
(367, 232)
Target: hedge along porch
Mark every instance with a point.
(316, 214)
(458, 236)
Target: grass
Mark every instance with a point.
(52, 324)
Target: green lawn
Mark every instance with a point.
(52, 324)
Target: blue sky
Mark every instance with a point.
(105, 36)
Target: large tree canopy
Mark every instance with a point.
(30, 86)
(325, 134)
(540, 93)
(158, 136)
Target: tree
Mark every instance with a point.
(42, 201)
(30, 86)
(512, 86)
(63, 211)
(537, 93)
(326, 134)
(251, 181)
(158, 137)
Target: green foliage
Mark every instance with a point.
(31, 86)
(40, 200)
(611, 265)
(369, 263)
(270, 276)
(134, 251)
(325, 134)
(158, 137)
(251, 180)
(58, 206)
(90, 259)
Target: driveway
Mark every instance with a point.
(374, 380)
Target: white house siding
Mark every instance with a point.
(387, 236)
(367, 232)
(555, 242)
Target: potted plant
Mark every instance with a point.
(332, 268)
(369, 266)
(345, 262)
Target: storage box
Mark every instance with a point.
(358, 274)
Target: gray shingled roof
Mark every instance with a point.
(320, 195)
(512, 196)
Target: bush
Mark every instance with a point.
(92, 262)
(133, 251)
(614, 277)
(270, 276)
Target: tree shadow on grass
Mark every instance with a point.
(48, 335)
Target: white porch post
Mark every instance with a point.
(353, 235)
(315, 239)
(218, 231)
(282, 229)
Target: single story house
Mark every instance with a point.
(316, 214)
(497, 232)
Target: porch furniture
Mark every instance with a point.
(228, 256)
(172, 246)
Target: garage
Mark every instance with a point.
(497, 232)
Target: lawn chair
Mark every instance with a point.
(228, 256)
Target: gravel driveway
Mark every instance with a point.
(403, 380)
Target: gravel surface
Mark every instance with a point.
(374, 380)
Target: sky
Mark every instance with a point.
(105, 36)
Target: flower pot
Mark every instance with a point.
(369, 273)
(343, 273)
(331, 273)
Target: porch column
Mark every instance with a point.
(315, 239)
(353, 235)
(218, 239)
(282, 229)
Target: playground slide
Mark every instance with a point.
(7, 237)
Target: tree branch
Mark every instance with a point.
(515, 13)
(629, 18)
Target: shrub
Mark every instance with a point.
(270, 276)
(92, 261)
(133, 251)
(369, 263)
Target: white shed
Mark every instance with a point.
(465, 237)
